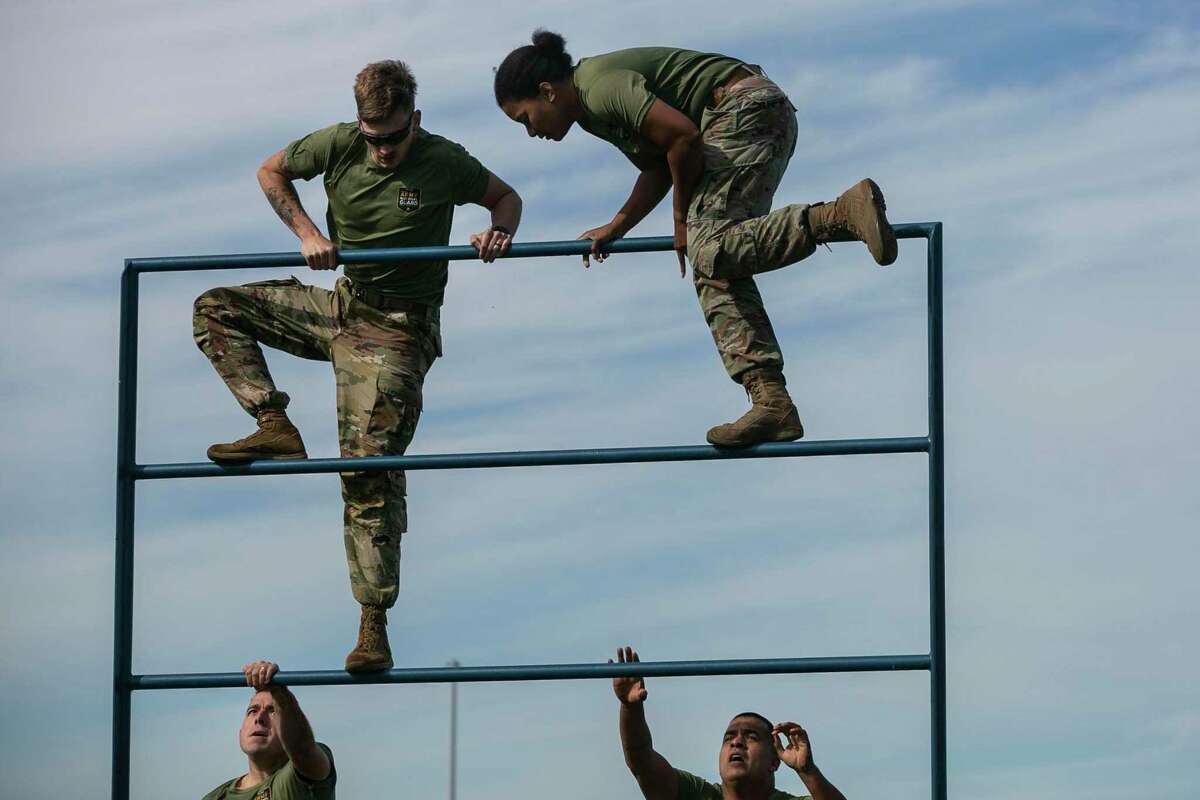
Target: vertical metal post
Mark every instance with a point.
(453, 734)
(123, 591)
(937, 522)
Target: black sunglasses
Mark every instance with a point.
(395, 137)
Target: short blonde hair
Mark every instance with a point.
(382, 88)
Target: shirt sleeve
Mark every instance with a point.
(311, 155)
(289, 783)
(469, 177)
(693, 787)
(620, 97)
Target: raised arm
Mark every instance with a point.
(295, 734)
(276, 182)
(654, 774)
(798, 755)
(505, 204)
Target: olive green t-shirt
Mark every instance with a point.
(283, 784)
(617, 89)
(411, 205)
(692, 787)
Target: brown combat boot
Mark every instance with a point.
(856, 216)
(276, 438)
(772, 418)
(372, 652)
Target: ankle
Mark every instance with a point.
(272, 416)
(763, 375)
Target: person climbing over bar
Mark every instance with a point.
(751, 751)
(721, 133)
(285, 761)
(390, 183)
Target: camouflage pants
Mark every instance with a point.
(748, 139)
(379, 360)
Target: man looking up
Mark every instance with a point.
(285, 761)
(390, 183)
(751, 752)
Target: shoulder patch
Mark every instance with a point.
(408, 199)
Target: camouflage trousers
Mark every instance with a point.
(748, 139)
(379, 360)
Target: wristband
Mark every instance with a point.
(502, 229)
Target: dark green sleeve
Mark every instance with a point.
(692, 787)
(290, 784)
(311, 155)
(620, 97)
(469, 177)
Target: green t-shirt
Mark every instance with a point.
(409, 206)
(283, 784)
(692, 787)
(617, 89)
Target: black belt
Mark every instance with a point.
(386, 302)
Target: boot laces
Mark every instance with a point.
(368, 640)
(757, 392)
(766, 393)
(368, 635)
(271, 417)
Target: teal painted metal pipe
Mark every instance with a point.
(937, 520)
(536, 458)
(566, 247)
(548, 672)
(123, 557)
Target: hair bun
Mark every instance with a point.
(550, 43)
(528, 66)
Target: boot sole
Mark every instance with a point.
(788, 436)
(245, 458)
(883, 243)
(359, 669)
(781, 436)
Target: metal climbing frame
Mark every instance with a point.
(129, 472)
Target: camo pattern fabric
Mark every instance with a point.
(379, 359)
(748, 139)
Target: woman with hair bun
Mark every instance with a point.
(721, 133)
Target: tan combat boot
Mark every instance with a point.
(772, 418)
(856, 216)
(372, 652)
(276, 438)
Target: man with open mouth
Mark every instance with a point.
(285, 760)
(751, 751)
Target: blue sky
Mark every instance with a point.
(1056, 143)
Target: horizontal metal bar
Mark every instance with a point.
(546, 672)
(395, 255)
(535, 458)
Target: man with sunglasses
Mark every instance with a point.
(390, 183)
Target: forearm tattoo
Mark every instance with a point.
(284, 201)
